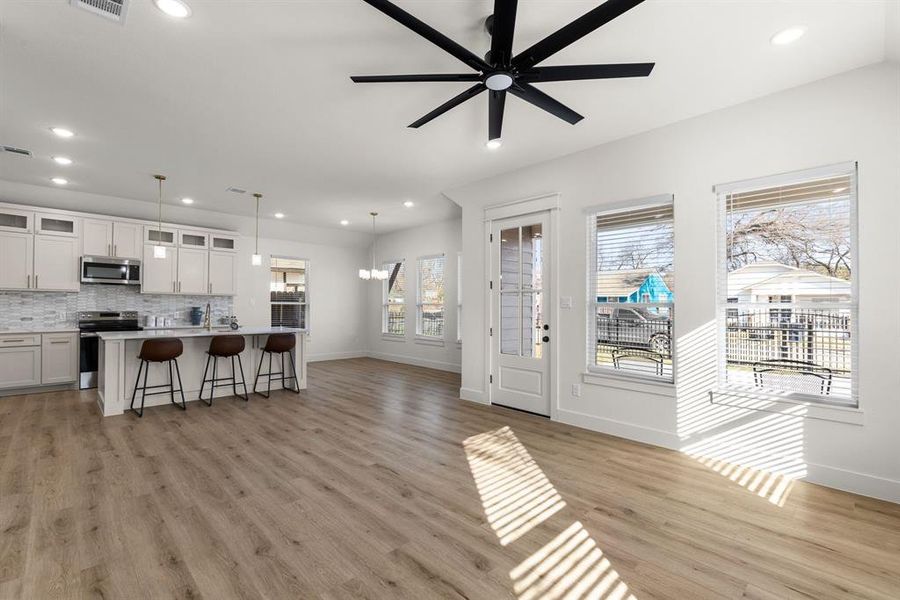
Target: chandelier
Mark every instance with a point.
(373, 274)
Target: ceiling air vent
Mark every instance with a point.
(14, 150)
(114, 10)
(236, 190)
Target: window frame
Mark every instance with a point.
(848, 169)
(305, 305)
(420, 305)
(385, 303)
(592, 370)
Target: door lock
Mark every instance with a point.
(546, 338)
(546, 327)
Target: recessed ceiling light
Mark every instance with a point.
(62, 132)
(187, 200)
(409, 204)
(494, 144)
(173, 8)
(345, 222)
(279, 215)
(59, 181)
(788, 36)
(62, 160)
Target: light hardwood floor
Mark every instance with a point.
(378, 482)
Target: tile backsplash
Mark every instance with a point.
(26, 310)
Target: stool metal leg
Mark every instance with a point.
(212, 387)
(203, 382)
(137, 381)
(144, 389)
(246, 396)
(258, 370)
(180, 386)
(269, 378)
(296, 388)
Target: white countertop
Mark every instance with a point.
(38, 329)
(146, 334)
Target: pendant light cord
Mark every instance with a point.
(257, 196)
(160, 179)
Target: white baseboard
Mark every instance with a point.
(336, 356)
(852, 481)
(418, 362)
(472, 395)
(629, 431)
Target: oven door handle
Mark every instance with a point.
(89, 335)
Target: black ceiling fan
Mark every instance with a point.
(500, 71)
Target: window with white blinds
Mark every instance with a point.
(631, 299)
(289, 292)
(430, 297)
(787, 298)
(393, 321)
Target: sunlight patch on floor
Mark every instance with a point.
(515, 493)
(517, 497)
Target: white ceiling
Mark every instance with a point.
(257, 94)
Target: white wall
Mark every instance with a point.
(336, 294)
(436, 238)
(853, 116)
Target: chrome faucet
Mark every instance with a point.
(207, 322)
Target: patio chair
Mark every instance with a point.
(787, 371)
(639, 354)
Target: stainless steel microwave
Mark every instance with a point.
(103, 269)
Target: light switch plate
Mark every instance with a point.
(565, 302)
(576, 390)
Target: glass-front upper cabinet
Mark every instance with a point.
(54, 224)
(16, 220)
(165, 236)
(225, 243)
(193, 239)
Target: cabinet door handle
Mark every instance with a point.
(28, 281)
(59, 341)
(35, 281)
(13, 341)
(115, 250)
(179, 287)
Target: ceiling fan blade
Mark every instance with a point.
(496, 104)
(451, 103)
(573, 32)
(429, 33)
(535, 96)
(573, 72)
(502, 31)
(408, 78)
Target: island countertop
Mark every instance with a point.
(146, 334)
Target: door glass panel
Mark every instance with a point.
(532, 256)
(509, 323)
(509, 259)
(532, 325)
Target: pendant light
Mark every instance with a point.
(159, 251)
(373, 274)
(256, 259)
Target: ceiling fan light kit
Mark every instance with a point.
(500, 71)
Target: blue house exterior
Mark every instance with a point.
(653, 289)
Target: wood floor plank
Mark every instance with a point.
(366, 485)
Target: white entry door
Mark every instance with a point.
(520, 335)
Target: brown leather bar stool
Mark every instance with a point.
(224, 346)
(281, 344)
(163, 350)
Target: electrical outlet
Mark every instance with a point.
(576, 390)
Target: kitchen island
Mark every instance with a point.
(118, 363)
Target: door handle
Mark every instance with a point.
(546, 327)
(546, 338)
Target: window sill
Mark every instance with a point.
(807, 408)
(635, 383)
(429, 341)
(393, 337)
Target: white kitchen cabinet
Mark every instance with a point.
(221, 273)
(193, 271)
(17, 262)
(20, 366)
(19, 221)
(166, 236)
(59, 358)
(159, 274)
(127, 240)
(57, 225)
(193, 239)
(56, 263)
(222, 243)
(97, 237)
